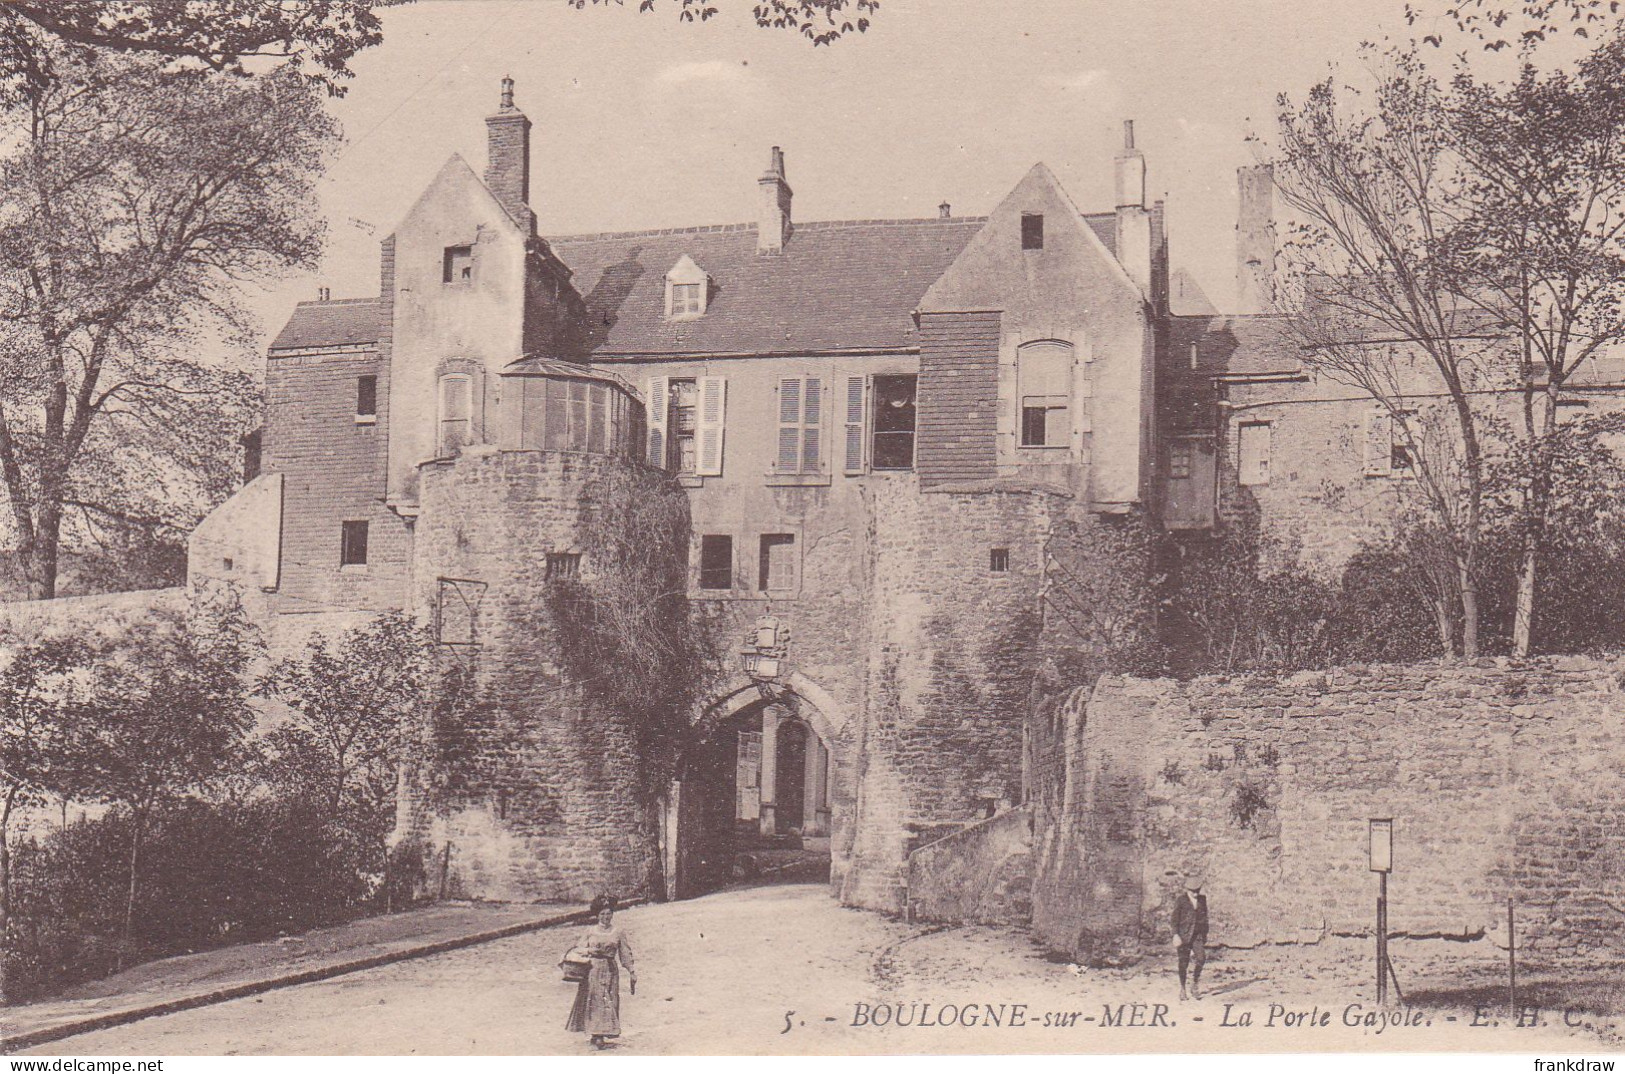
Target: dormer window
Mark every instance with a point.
(688, 289)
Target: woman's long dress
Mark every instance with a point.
(597, 1009)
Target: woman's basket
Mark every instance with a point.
(576, 966)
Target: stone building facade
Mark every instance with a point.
(873, 430)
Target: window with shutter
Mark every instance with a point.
(776, 566)
(1388, 450)
(655, 395)
(1253, 464)
(712, 421)
(853, 401)
(801, 418)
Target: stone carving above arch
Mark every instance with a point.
(822, 712)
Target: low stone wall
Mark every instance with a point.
(103, 614)
(976, 875)
(1503, 781)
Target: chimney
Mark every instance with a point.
(1255, 239)
(944, 211)
(1134, 237)
(324, 294)
(507, 157)
(773, 226)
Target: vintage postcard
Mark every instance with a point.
(812, 527)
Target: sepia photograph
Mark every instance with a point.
(821, 528)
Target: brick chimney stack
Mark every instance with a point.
(507, 162)
(773, 226)
(1255, 239)
(1134, 237)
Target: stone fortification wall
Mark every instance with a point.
(1503, 781)
(551, 798)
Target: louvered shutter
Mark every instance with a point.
(1379, 443)
(713, 415)
(853, 401)
(812, 425)
(789, 425)
(656, 401)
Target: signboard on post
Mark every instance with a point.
(1382, 845)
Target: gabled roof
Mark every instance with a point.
(345, 322)
(838, 285)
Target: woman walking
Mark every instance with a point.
(597, 1009)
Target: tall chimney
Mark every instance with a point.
(1133, 222)
(1255, 239)
(507, 157)
(773, 226)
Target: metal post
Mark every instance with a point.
(1382, 939)
(1512, 963)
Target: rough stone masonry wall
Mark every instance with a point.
(1503, 781)
(554, 803)
(952, 652)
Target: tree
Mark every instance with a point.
(356, 712)
(39, 697)
(167, 715)
(820, 21)
(319, 35)
(139, 202)
(1374, 188)
(1542, 244)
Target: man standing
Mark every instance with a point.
(1190, 935)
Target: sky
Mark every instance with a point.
(641, 121)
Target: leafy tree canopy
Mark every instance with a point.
(820, 21)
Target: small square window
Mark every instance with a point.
(1179, 462)
(777, 565)
(716, 561)
(998, 560)
(353, 545)
(1032, 231)
(563, 566)
(458, 265)
(366, 396)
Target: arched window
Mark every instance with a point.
(456, 414)
(1044, 378)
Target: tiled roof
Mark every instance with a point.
(1235, 344)
(345, 322)
(849, 284)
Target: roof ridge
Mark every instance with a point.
(340, 301)
(810, 225)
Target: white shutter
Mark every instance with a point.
(713, 417)
(1253, 462)
(853, 403)
(1379, 443)
(789, 454)
(656, 402)
(812, 426)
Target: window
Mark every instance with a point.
(1253, 466)
(894, 422)
(366, 397)
(457, 266)
(801, 417)
(1032, 231)
(685, 300)
(1193, 356)
(1388, 448)
(456, 406)
(776, 571)
(563, 566)
(998, 560)
(716, 561)
(687, 289)
(682, 423)
(353, 545)
(1179, 460)
(1044, 375)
